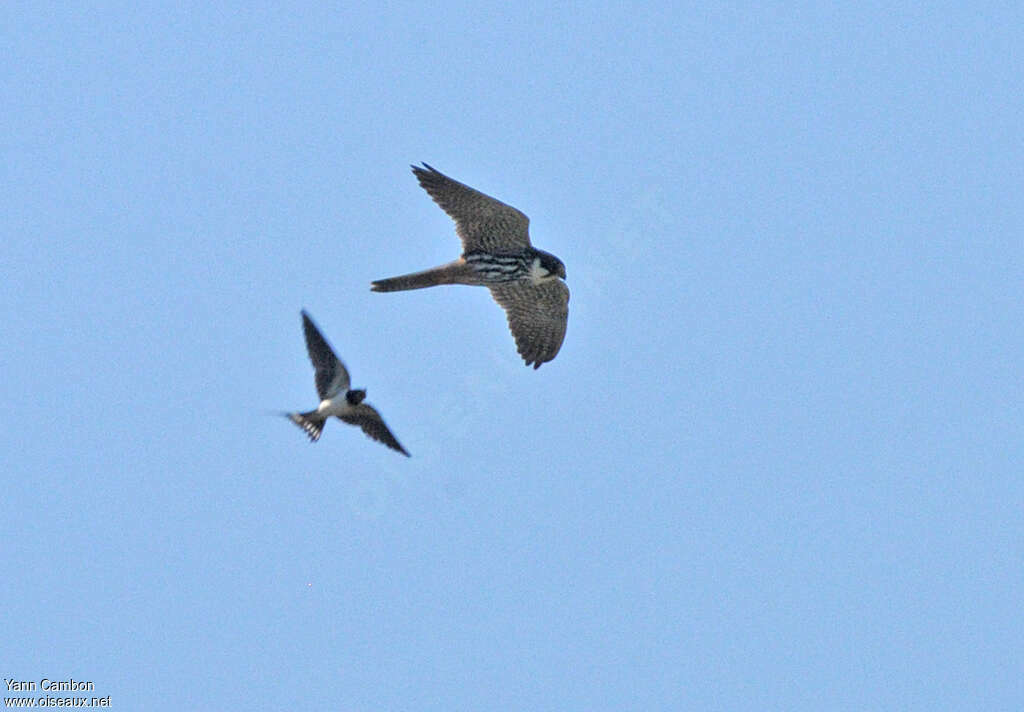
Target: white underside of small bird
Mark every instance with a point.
(337, 406)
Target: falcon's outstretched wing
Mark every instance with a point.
(537, 316)
(482, 222)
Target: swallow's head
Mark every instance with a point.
(355, 397)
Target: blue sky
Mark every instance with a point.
(776, 465)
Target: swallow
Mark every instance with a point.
(336, 398)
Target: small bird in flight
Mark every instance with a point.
(497, 254)
(332, 385)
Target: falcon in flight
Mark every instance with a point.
(332, 385)
(496, 253)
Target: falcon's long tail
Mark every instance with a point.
(312, 422)
(457, 272)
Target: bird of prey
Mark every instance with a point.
(332, 385)
(497, 254)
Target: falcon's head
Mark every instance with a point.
(355, 397)
(551, 264)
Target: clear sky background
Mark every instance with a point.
(777, 464)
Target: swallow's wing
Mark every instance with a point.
(331, 374)
(482, 222)
(366, 417)
(537, 316)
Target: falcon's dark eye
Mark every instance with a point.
(556, 267)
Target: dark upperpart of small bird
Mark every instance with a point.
(336, 398)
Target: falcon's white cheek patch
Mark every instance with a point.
(537, 273)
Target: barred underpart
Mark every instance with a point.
(499, 268)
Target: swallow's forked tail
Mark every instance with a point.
(311, 422)
(457, 272)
